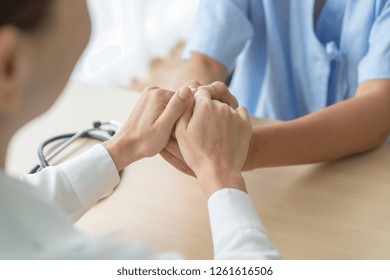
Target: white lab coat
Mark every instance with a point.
(36, 222)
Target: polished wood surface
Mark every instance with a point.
(337, 210)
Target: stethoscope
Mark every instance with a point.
(111, 128)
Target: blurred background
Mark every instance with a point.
(135, 43)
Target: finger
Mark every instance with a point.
(159, 96)
(177, 163)
(243, 112)
(174, 109)
(185, 118)
(203, 94)
(209, 88)
(193, 85)
(222, 93)
(219, 103)
(201, 97)
(162, 94)
(149, 89)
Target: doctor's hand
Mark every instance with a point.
(149, 127)
(214, 139)
(217, 91)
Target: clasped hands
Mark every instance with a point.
(199, 130)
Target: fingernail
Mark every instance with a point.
(184, 93)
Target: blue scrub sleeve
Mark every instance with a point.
(221, 30)
(375, 64)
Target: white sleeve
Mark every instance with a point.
(31, 227)
(76, 185)
(237, 230)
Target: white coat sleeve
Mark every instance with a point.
(31, 227)
(77, 184)
(237, 230)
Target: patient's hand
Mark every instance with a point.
(150, 125)
(214, 140)
(218, 91)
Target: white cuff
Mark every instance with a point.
(93, 175)
(237, 230)
(231, 210)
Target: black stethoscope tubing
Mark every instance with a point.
(71, 137)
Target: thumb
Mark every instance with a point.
(174, 109)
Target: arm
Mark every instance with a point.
(353, 126)
(201, 68)
(217, 161)
(76, 185)
(33, 228)
(72, 187)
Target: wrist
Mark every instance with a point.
(257, 156)
(213, 180)
(121, 151)
(249, 162)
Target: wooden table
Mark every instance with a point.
(337, 210)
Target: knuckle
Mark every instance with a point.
(160, 94)
(167, 94)
(193, 83)
(199, 96)
(198, 93)
(154, 95)
(219, 85)
(207, 88)
(149, 89)
(224, 108)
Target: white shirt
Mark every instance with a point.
(36, 223)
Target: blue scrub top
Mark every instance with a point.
(285, 64)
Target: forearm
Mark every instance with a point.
(201, 68)
(353, 126)
(77, 184)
